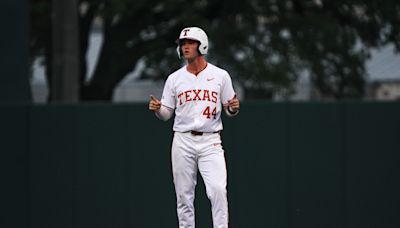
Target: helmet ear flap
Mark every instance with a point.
(179, 51)
(202, 49)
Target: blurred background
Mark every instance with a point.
(316, 144)
(292, 50)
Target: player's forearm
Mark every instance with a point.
(164, 113)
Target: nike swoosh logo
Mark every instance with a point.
(209, 79)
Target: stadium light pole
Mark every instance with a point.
(65, 41)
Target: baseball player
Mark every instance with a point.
(197, 93)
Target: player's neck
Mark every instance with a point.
(195, 66)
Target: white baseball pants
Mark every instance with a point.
(189, 154)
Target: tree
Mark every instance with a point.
(265, 44)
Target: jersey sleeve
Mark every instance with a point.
(168, 96)
(227, 91)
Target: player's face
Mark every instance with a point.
(189, 49)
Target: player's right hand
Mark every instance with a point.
(154, 104)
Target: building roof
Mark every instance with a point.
(384, 64)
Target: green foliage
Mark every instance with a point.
(265, 44)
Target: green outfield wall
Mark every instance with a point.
(14, 57)
(291, 165)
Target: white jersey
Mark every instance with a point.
(198, 100)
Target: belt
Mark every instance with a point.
(199, 133)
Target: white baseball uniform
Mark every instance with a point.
(198, 102)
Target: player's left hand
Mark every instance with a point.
(234, 104)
